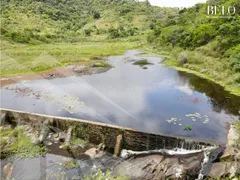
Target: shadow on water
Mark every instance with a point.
(220, 99)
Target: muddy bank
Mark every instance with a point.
(75, 69)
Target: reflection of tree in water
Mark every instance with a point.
(218, 97)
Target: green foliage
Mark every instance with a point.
(35, 58)
(30, 21)
(99, 175)
(101, 64)
(235, 62)
(14, 141)
(187, 128)
(70, 164)
(142, 62)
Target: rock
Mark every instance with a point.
(159, 166)
(224, 169)
(118, 144)
(232, 151)
(230, 160)
(3, 118)
(44, 133)
(68, 136)
(47, 143)
(94, 153)
(7, 171)
(101, 147)
(226, 156)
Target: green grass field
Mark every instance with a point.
(22, 59)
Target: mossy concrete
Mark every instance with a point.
(97, 133)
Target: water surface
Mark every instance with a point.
(156, 99)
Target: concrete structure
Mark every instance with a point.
(98, 133)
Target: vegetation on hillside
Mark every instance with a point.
(187, 38)
(211, 44)
(31, 21)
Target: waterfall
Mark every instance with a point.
(204, 164)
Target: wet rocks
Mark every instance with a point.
(7, 171)
(229, 165)
(44, 132)
(225, 169)
(3, 116)
(159, 166)
(95, 152)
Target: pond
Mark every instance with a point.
(151, 98)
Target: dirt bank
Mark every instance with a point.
(74, 69)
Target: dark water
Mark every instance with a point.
(131, 96)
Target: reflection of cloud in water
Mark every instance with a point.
(128, 95)
(186, 89)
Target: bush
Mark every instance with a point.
(235, 62)
(183, 58)
(87, 32)
(113, 33)
(96, 15)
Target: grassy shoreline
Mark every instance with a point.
(33, 59)
(170, 60)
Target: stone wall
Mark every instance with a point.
(102, 133)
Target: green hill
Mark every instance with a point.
(208, 45)
(31, 21)
(189, 39)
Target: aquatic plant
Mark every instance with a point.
(142, 62)
(187, 128)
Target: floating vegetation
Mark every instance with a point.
(193, 117)
(187, 128)
(142, 62)
(172, 120)
(196, 116)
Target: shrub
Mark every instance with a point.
(96, 15)
(113, 33)
(142, 62)
(87, 32)
(235, 62)
(182, 58)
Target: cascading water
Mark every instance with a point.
(209, 153)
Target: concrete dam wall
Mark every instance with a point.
(97, 133)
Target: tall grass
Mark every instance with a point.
(36, 58)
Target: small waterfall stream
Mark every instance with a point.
(210, 154)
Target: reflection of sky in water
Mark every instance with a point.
(128, 95)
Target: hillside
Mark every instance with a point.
(193, 42)
(188, 39)
(30, 21)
